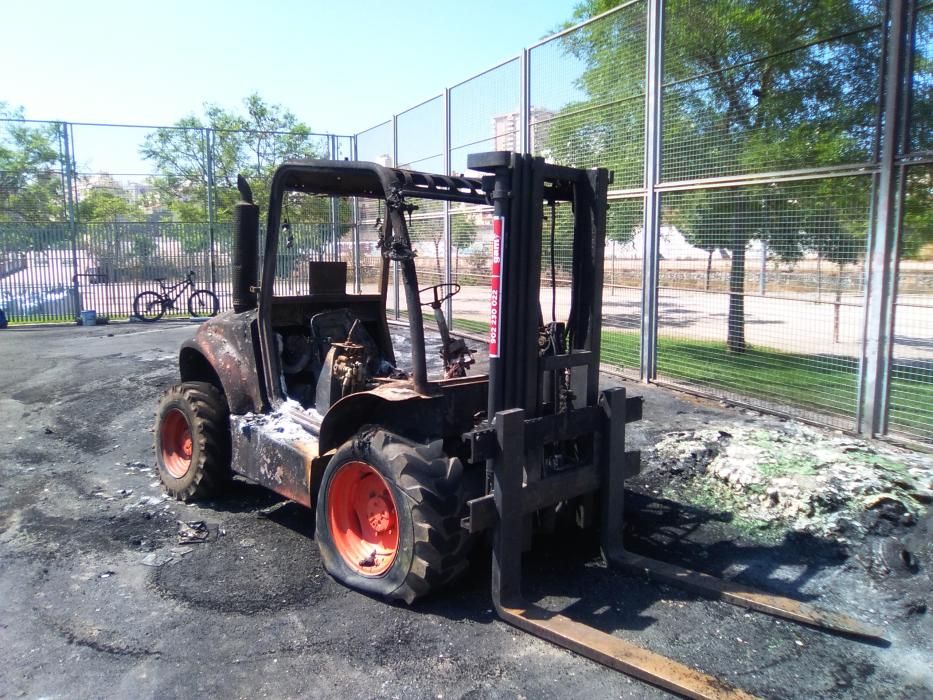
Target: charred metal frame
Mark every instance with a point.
(355, 179)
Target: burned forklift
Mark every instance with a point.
(302, 395)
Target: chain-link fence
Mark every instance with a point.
(91, 215)
(770, 234)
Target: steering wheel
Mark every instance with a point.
(451, 287)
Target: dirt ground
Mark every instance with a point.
(99, 599)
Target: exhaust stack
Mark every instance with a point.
(245, 248)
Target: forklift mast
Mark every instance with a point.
(552, 437)
(522, 183)
(564, 440)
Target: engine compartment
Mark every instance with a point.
(331, 347)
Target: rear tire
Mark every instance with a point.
(149, 306)
(192, 441)
(203, 302)
(419, 492)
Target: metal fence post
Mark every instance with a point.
(651, 221)
(357, 277)
(448, 229)
(67, 138)
(524, 104)
(395, 165)
(881, 268)
(209, 168)
(334, 205)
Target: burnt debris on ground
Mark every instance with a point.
(250, 611)
(794, 477)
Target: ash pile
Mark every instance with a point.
(793, 478)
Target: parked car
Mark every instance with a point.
(55, 302)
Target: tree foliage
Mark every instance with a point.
(253, 142)
(30, 180)
(748, 86)
(917, 238)
(104, 205)
(462, 231)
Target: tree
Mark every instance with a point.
(253, 143)
(30, 181)
(462, 236)
(917, 236)
(738, 98)
(106, 217)
(115, 245)
(103, 205)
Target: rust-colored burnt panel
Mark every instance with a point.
(399, 408)
(275, 452)
(225, 343)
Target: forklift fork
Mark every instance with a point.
(511, 499)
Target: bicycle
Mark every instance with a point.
(151, 306)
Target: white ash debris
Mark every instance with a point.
(801, 477)
(278, 424)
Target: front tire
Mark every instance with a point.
(192, 441)
(203, 302)
(149, 306)
(388, 516)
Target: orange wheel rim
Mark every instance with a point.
(363, 519)
(175, 443)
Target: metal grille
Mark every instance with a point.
(36, 261)
(587, 94)
(429, 244)
(420, 146)
(911, 384)
(141, 207)
(91, 215)
(910, 399)
(485, 114)
(426, 229)
(761, 294)
(731, 32)
(375, 144)
(420, 134)
(555, 278)
(624, 258)
(921, 134)
(471, 244)
(812, 106)
(32, 184)
(748, 148)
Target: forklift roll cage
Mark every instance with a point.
(365, 180)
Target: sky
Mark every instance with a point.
(339, 66)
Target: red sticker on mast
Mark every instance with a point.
(498, 229)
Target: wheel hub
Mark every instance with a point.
(176, 444)
(362, 517)
(379, 514)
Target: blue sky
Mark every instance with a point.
(340, 66)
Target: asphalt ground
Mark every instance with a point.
(99, 599)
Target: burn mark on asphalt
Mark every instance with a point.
(271, 569)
